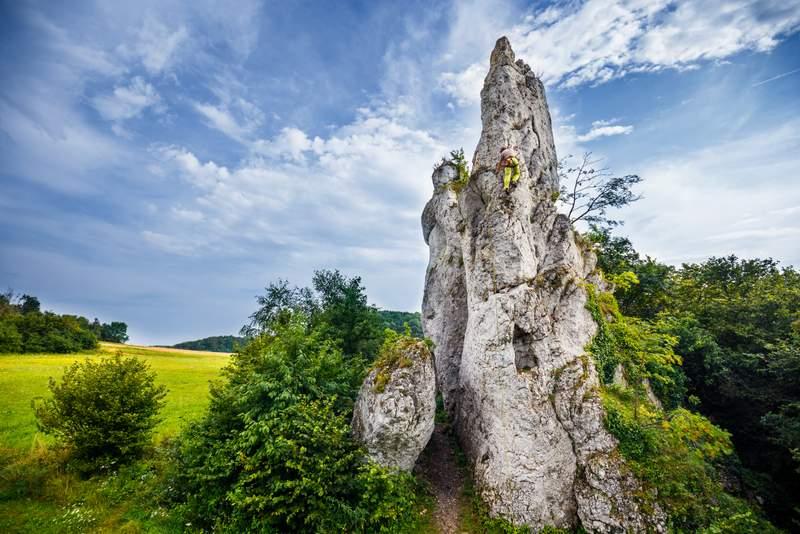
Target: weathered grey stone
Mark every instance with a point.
(395, 409)
(444, 305)
(505, 305)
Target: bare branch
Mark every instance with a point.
(591, 191)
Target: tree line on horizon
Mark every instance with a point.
(26, 328)
(394, 320)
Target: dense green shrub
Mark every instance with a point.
(737, 322)
(675, 453)
(643, 349)
(104, 412)
(274, 452)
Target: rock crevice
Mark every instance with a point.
(505, 306)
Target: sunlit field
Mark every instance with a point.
(25, 376)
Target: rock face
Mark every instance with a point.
(395, 409)
(505, 306)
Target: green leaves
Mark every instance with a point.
(673, 452)
(274, 452)
(103, 411)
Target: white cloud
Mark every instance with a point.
(193, 216)
(464, 86)
(233, 115)
(167, 243)
(237, 120)
(604, 129)
(290, 143)
(363, 186)
(127, 102)
(53, 145)
(76, 56)
(736, 196)
(201, 175)
(221, 119)
(157, 45)
(594, 41)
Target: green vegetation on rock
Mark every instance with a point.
(736, 326)
(397, 352)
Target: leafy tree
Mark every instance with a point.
(589, 192)
(396, 320)
(346, 314)
(616, 255)
(116, 332)
(337, 303)
(274, 452)
(674, 452)
(103, 411)
(29, 304)
(736, 325)
(25, 328)
(10, 338)
(276, 306)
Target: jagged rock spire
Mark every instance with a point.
(505, 306)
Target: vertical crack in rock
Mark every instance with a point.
(505, 306)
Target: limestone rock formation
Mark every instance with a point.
(505, 306)
(396, 405)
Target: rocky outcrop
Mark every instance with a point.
(505, 306)
(396, 405)
(444, 304)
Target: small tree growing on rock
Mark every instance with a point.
(588, 192)
(103, 411)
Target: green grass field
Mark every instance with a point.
(25, 376)
(39, 496)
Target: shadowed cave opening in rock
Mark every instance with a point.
(524, 358)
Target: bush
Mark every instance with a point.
(674, 453)
(103, 412)
(274, 452)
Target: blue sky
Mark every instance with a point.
(163, 161)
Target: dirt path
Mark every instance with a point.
(439, 466)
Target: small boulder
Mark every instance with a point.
(395, 409)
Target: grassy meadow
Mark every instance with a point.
(38, 495)
(25, 376)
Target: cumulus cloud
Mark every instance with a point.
(201, 175)
(361, 187)
(462, 85)
(594, 41)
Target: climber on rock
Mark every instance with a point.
(509, 162)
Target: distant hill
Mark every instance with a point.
(213, 344)
(396, 319)
(392, 319)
